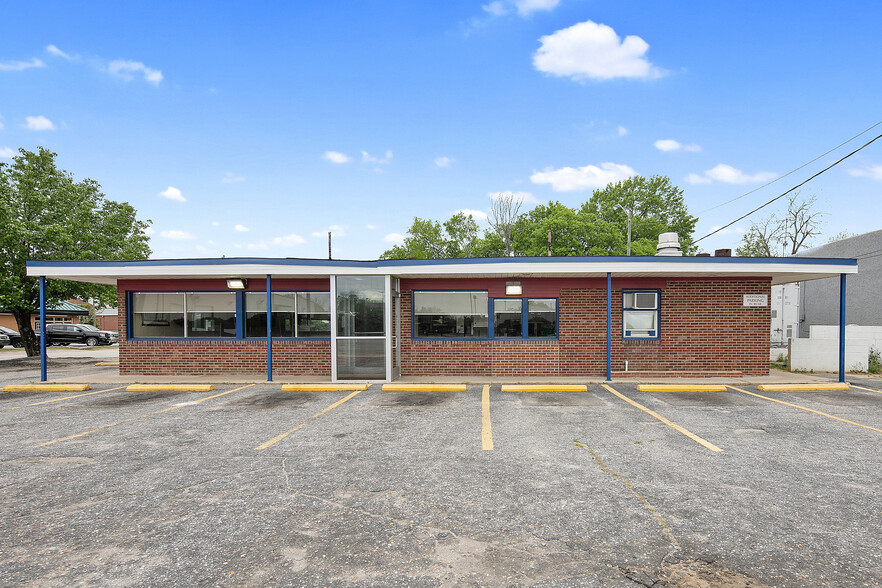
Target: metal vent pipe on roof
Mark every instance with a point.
(669, 245)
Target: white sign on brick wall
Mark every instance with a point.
(756, 300)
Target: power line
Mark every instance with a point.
(832, 165)
(791, 171)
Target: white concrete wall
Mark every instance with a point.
(822, 355)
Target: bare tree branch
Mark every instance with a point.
(504, 207)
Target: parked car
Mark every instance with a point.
(14, 337)
(4, 340)
(114, 335)
(65, 334)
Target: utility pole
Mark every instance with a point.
(329, 244)
(628, 212)
(549, 242)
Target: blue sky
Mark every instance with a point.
(252, 129)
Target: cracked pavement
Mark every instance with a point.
(388, 489)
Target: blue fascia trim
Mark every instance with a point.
(391, 263)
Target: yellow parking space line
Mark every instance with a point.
(829, 416)
(65, 398)
(107, 363)
(324, 387)
(681, 388)
(867, 389)
(170, 388)
(424, 387)
(486, 425)
(48, 388)
(544, 388)
(278, 438)
(676, 427)
(143, 416)
(801, 387)
(177, 406)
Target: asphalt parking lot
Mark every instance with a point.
(249, 485)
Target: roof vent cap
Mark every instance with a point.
(669, 245)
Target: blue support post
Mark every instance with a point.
(43, 377)
(842, 328)
(269, 328)
(609, 326)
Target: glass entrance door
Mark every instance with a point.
(360, 329)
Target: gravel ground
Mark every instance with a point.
(394, 489)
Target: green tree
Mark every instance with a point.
(656, 206)
(428, 239)
(46, 215)
(571, 231)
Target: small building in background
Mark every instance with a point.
(63, 312)
(818, 299)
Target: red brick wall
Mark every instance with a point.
(213, 357)
(705, 331)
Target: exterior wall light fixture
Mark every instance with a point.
(513, 289)
(237, 283)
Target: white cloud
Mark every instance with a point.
(335, 230)
(215, 224)
(287, 240)
(730, 175)
(231, 178)
(622, 131)
(524, 8)
(871, 171)
(568, 179)
(495, 8)
(149, 231)
(241, 228)
(21, 65)
(527, 7)
(371, 227)
(444, 161)
(697, 179)
(394, 238)
(589, 50)
(671, 145)
(173, 193)
(179, 235)
(38, 123)
(336, 157)
(6, 153)
(53, 50)
(124, 69)
(478, 215)
(368, 158)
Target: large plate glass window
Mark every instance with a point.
(295, 314)
(313, 314)
(450, 314)
(157, 314)
(508, 318)
(640, 310)
(541, 318)
(211, 314)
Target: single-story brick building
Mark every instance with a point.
(379, 320)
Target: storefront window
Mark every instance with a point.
(157, 314)
(450, 314)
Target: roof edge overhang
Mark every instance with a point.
(779, 270)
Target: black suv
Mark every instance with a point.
(14, 337)
(64, 334)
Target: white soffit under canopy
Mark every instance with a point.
(779, 270)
